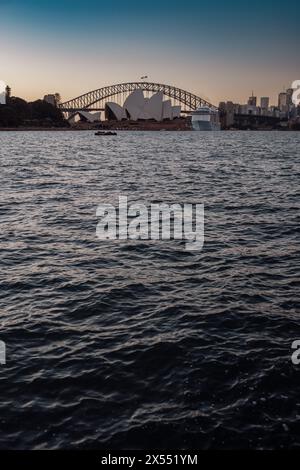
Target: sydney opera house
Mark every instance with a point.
(137, 107)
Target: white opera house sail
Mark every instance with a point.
(137, 107)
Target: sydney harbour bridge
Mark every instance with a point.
(95, 100)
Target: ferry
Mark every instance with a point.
(205, 119)
(106, 133)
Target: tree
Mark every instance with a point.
(41, 110)
(18, 112)
(9, 117)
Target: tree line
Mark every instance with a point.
(20, 113)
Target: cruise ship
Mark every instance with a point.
(205, 119)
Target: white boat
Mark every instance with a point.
(205, 119)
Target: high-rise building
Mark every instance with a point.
(289, 95)
(264, 102)
(282, 101)
(252, 100)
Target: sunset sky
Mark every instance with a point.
(220, 50)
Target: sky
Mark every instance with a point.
(220, 50)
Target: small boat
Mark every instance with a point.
(105, 133)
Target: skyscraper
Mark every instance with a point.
(282, 101)
(252, 100)
(289, 94)
(264, 102)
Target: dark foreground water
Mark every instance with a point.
(129, 345)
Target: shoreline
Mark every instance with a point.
(39, 129)
(132, 129)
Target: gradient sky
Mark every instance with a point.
(220, 50)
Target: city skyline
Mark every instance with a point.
(219, 52)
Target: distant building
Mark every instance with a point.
(264, 102)
(282, 102)
(51, 99)
(289, 95)
(252, 101)
(264, 105)
(292, 112)
(250, 109)
(227, 112)
(274, 111)
(243, 116)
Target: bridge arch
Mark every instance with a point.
(89, 100)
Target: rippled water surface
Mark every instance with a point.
(138, 344)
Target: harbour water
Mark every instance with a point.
(138, 344)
